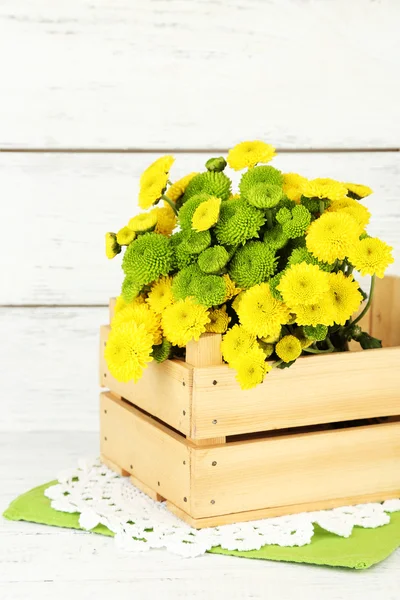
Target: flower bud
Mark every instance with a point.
(216, 164)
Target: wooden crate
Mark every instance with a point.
(324, 433)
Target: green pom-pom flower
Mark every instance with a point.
(264, 195)
(275, 238)
(296, 227)
(148, 257)
(209, 290)
(252, 264)
(162, 351)
(130, 289)
(317, 332)
(213, 260)
(188, 209)
(263, 174)
(216, 164)
(301, 254)
(182, 285)
(238, 222)
(285, 202)
(283, 215)
(196, 242)
(181, 258)
(211, 182)
(273, 283)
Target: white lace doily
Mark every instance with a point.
(139, 523)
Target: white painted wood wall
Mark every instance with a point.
(92, 90)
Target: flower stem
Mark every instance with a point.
(277, 363)
(321, 207)
(270, 219)
(367, 306)
(169, 201)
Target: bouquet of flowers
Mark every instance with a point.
(270, 267)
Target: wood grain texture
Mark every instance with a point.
(315, 390)
(149, 451)
(49, 369)
(62, 204)
(202, 74)
(296, 469)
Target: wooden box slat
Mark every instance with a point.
(316, 389)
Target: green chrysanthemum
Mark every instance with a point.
(263, 174)
(188, 209)
(315, 332)
(285, 202)
(213, 260)
(301, 254)
(183, 281)
(275, 238)
(130, 289)
(162, 351)
(196, 242)
(213, 183)
(209, 290)
(252, 264)
(238, 222)
(148, 257)
(283, 215)
(181, 258)
(264, 195)
(301, 218)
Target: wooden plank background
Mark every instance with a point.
(92, 91)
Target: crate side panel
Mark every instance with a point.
(165, 390)
(145, 449)
(385, 313)
(298, 469)
(316, 389)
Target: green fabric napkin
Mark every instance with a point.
(364, 548)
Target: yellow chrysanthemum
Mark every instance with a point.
(231, 289)
(154, 181)
(371, 256)
(303, 284)
(184, 321)
(288, 348)
(120, 303)
(160, 295)
(293, 185)
(316, 314)
(143, 222)
(359, 212)
(140, 314)
(162, 165)
(345, 297)
(112, 246)
(248, 154)
(206, 214)
(219, 320)
(166, 220)
(332, 236)
(251, 369)
(234, 197)
(125, 236)
(324, 188)
(260, 313)
(128, 351)
(177, 189)
(362, 191)
(236, 343)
